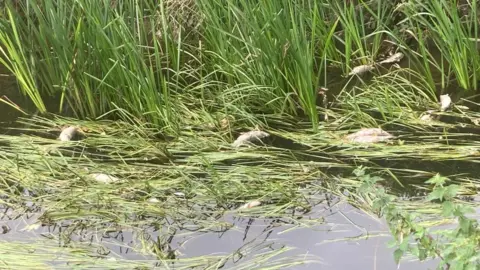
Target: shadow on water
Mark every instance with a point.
(9, 91)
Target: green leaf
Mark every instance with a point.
(420, 233)
(461, 210)
(437, 193)
(375, 179)
(404, 245)
(422, 254)
(415, 251)
(397, 255)
(465, 224)
(447, 208)
(451, 191)
(471, 266)
(360, 171)
(437, 180)
(392, 243)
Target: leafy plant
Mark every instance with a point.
(457, 248)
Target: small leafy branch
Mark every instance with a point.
(457, 248)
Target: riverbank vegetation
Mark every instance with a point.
(160, 91)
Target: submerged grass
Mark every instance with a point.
(187, 193)
(197, 187)
(187, 77)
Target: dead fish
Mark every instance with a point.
(369, 135)
(153, 200)
(395, 58)
(359, 70)
(445, 102)
(104, 178)
(426, 117)
(249, 137)
(250, 205)
(68, 134)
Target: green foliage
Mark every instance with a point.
(392, 96)
(272, 48)
(454, 34)
(457, 248)
(95, 56)
(170, 61)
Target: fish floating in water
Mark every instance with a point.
(153, 200)
(369, 135)
(68, 134)
(394, 58)
(427, 116)
(445, 102)
(359, 70)
(104, 178)
(250, 205)
(249, 137)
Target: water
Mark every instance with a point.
(348, 239)
(9, 90)
(348, 233)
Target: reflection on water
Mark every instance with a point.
(349, 239)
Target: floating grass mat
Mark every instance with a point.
(189, 192)
(201, 181)
(46, 255)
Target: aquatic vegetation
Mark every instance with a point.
(190, 183)
(454, 34)
(159, 91)
(457, 248)
(186, 194)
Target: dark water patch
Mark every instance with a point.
(10, 92)
(285, 143)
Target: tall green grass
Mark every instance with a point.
(172, 62)
(270, 48)
(95, 56)
(455, 35)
